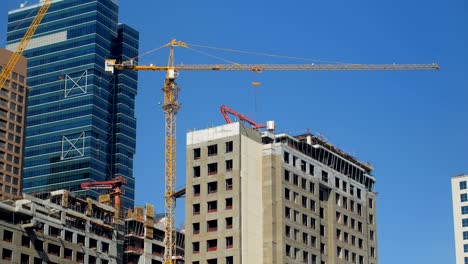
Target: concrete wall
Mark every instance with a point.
(251, 201)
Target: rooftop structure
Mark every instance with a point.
(12, 113)
(256, 197)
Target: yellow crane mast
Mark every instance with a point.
(10, 66)
(171, 106)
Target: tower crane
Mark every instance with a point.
(11, 64)
(115, 187)
(171, 106)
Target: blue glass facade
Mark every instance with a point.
(81, 122)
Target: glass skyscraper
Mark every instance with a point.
(80, 122)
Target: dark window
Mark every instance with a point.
(79, 257)
(92, 243)
(196, 228)
(324, 176)
(287, 194)
(53, 249)
(68, 236)
(228, 165)
(196, 153)
(212, 150)
(212, 187)
(7, 236)
(195, 247)
(322, 230)
(212, 225)
(286, 157)
(212, 168)
(81, 239)
(212, 206)
(229, 146)
(25, 241)
(312, 187)
(228, 222)
(6, 254)
(303, 166)
(286, 176)
(230, 260)
(196, 171)
(212, 245)
(228, 203)
(105, 247)
(296, 179)
(196, 190)
(229, 242)
(68, 253)
(24, 259)
(228, 184)
(462, 185)
(196, 209)
(304, 184)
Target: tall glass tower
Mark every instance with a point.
(81, 122)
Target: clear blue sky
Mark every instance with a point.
(412, 126)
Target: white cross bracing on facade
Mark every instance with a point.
(73, 145)
(75, 82)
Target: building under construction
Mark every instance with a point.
(144, 237)
(261, 197)
(57, 228)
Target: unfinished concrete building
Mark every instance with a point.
(57, 228)
(272, 198)
(144, 238)
(12, 120)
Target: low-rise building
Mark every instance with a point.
(58, 227)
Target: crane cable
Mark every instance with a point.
(213, 56)
(148, 52)
(266, 54)
(238, 51)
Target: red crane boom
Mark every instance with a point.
(225, 110)
(114, 185)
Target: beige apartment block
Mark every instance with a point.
(460, 217)
(261, 197)
(12, 121)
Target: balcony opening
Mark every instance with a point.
(212, 206)
(212, 245)
(212, 225)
